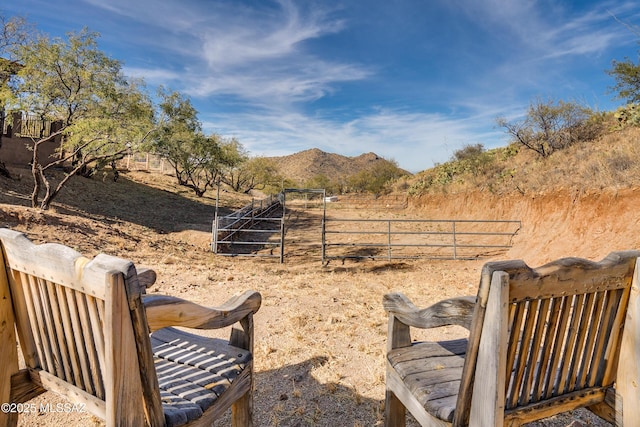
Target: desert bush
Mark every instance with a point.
(469, 151)
(550, 126)
(627, 76)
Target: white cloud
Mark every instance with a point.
(553, 30)
(255, 54)
(272, 84)
(255, 37)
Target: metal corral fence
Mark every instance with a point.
(259, 229)
(402, 239)
(239, 233)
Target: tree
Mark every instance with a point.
(261, 174)
(472, 158)
(102, 116)
(332, 186)
(14, 32)
(549, 127)
(627, 76)
(244, 173)
(376, 178)
(195, 158)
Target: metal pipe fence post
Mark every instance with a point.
(215, 221)
(455, 251)
(389, 239)
(324, 239)
(282, 240)
(215, 234)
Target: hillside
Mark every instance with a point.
(305, 165)
(610, 162)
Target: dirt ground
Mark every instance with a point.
(321, 331)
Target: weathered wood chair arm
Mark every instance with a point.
(163, 311)
(453, 311)
(146, 277)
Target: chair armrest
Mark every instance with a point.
(146, 277)
(453, 311)
(163, 311)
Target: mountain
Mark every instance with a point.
(308, 164)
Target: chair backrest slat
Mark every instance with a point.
(559, 345)
(94, 343)
(67, 329)
(37, 318)
(82, 377)
(557, 332)
(544, 373)
(69, 336)
(535, 370)
(61, 336)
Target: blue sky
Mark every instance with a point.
(411, 80)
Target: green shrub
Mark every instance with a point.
(628, 115)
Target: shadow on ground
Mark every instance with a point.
(291, 397)
(124, 200)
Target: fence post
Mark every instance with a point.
(215, 234)
(455, 251)
(324, 238)
(389, 239)
(282, 240)
(215, 217)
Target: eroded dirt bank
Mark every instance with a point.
(559, 224)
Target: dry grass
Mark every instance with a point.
(321, 332)
(610, 162)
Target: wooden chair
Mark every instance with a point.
(89, 334)
(541, 341)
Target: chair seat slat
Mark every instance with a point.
(193, 373)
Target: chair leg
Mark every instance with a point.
(241, 411)
(394, 411)
(9, 352)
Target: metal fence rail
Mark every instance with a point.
(243, 232)
(402, 239)
(253, 219)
